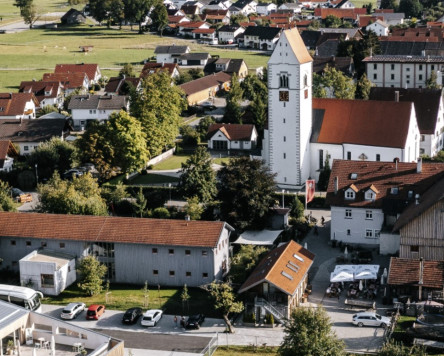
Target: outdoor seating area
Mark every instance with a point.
(59, 350)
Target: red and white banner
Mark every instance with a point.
(309, 190)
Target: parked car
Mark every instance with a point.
(151, 317)
(370, 319)
(132, 315)
(75, 172)
(72, 310)
(95, 311)
(195, 321)
(208, 105)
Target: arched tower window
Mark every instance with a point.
(305, 80)
(283, 81)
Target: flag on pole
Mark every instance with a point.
(309, 190)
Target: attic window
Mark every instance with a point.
(354, 176)
(293, 266)
(394, 191)
(410, 194)
(298, 257)
(20, 133)
(285, 274)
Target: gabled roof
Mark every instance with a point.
(114, 84)
(13, 104)
(99, 102)
(234, 132)
(340, 63)
(112, 229)
(361, 122)
(265, 33)
(297, 45)
(383, 176)
(351, 32)
(285, 267)
(426, 102)
(151, 67)
(323, 12)
(430, 197)
(406, 272)
(195, 56)
(68, 80)
(234, 65)
(328, 48)
(192, 24)
(89, 68)
(242, 3)
(31, 130)
(7, 149)
(41, 89)
(229, 28)
(203, 30)
(171, 49)
(72, 13)
(206, 82)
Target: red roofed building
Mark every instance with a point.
(70, 81)
(7, 154)
(91, 70)
(223, 137)
(368, 199)
(46, 92)
(18, 105)
(166, 252)
(206, 87)
(277, 284)
(323, 12)
(151, 68)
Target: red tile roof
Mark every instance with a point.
(365, 20)
(13, 104)
(404, 272)
(234, 132)
(176, 19)
(204, 30)
(363, 122)
(151, 67)
(323, 12)
(6, 149)
(383, 176)
(282, 268)
(40, 88)
(193, 24)
(69, 80)
(206, 82)
(111, 229)
(88, 68)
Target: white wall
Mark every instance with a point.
(378, 29)
(164, 58)
(389, 243)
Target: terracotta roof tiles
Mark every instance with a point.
(206, 82)
(13, 104)
(234, 132)
(88, 68)
(405, 272)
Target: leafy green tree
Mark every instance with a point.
(392, 348)
(100, 10)
(114, 195)
(81, 196)
(140, 204)
(185, 298)
(388, 4)
(194, 209)
(92, 273)
(297, 208)
(190, 137)
(308, 332)
(244, 261)
(161, 213)
(335, 83)
(237, 19)
(431, 83)
(159, 17)
(253, 86)
(246, 187)
(202, 127)
(28, 11)
(6, 201)
(53, 155)
(411, 8)
(331, 21)
(314, 25)
(225, 302)
(47, 109)
(368, 7)
(137, 10)
(158, 107)
(127, 71)
(259, 109)
(233, 110)
(197, 177)
(324, 176)
(363, 87)
(117, 12)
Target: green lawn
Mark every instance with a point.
(221, 160)
(245, 351)
(153, 179)
(27, 55)
(173, 162)
(123, 297)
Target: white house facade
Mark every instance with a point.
(223, 137)
(228, 34)
(265, 8)
(380, 28)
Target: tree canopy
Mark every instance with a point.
(233, 110)
(333, 83)
(411, 8)
(308, 332)
(91, 273)
(246, 188)
(28, 11)
(244, 261)
(6, 201)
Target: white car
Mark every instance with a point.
(370, 319)
(151, 317)
(72, 310)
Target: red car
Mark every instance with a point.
(95, 311)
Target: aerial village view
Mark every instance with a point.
(221, 177)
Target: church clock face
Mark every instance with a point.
(283, 96)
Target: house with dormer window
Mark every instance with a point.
(368, 198)
(46, 92)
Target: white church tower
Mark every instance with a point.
(286, 146)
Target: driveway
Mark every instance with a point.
(20, 26)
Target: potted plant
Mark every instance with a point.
(10, 347)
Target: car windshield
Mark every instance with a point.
(378, 316)
(91, 312)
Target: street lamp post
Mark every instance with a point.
(36, 175)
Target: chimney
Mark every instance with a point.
(336, 183)
(416, 199)
(397, 96)
(419, 165)
(396, 163)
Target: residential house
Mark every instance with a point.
(186, 29)
(346, 14)
(190, 9)
(343, 64)
(429, 113)
(392, 18)
(228, 33)
(194, 59)
(205, 88)
(232, 137)
(265, 8)
(365, 20)
(28, 134)
(359, 130)
(205, 35)
(166, 252)
(174, 21)
(91, 70)
(73, 17)
(88, 107)
(350, 33)
(261, 37)
(402, 71)
(345, 4)
(227, 65)
(222, 4)
(313, 39)
(291, 6)
(46, 92)
(366, 199)
(69, 81)
(244, 7)
(150, 68)
(277, 285)
(174, 12)
(122, 85)
(18, 105)
(380, 28)
(7, 154)
(170, 54)
(25, 327)
(217, 16)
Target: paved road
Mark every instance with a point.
(20, 26)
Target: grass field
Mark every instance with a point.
(245, 351)
(27, 55)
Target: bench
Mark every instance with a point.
(363, 304)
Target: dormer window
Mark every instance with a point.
(349, 194)
(394, 191)
(370, 194)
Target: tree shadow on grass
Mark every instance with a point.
(199, 302)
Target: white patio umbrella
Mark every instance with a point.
(366, 271)
(385, 274)
(341, 276)
(361, 287)
(34, 352)
(305, 246)
(345, 251)
(52, 345)
(382, 279)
